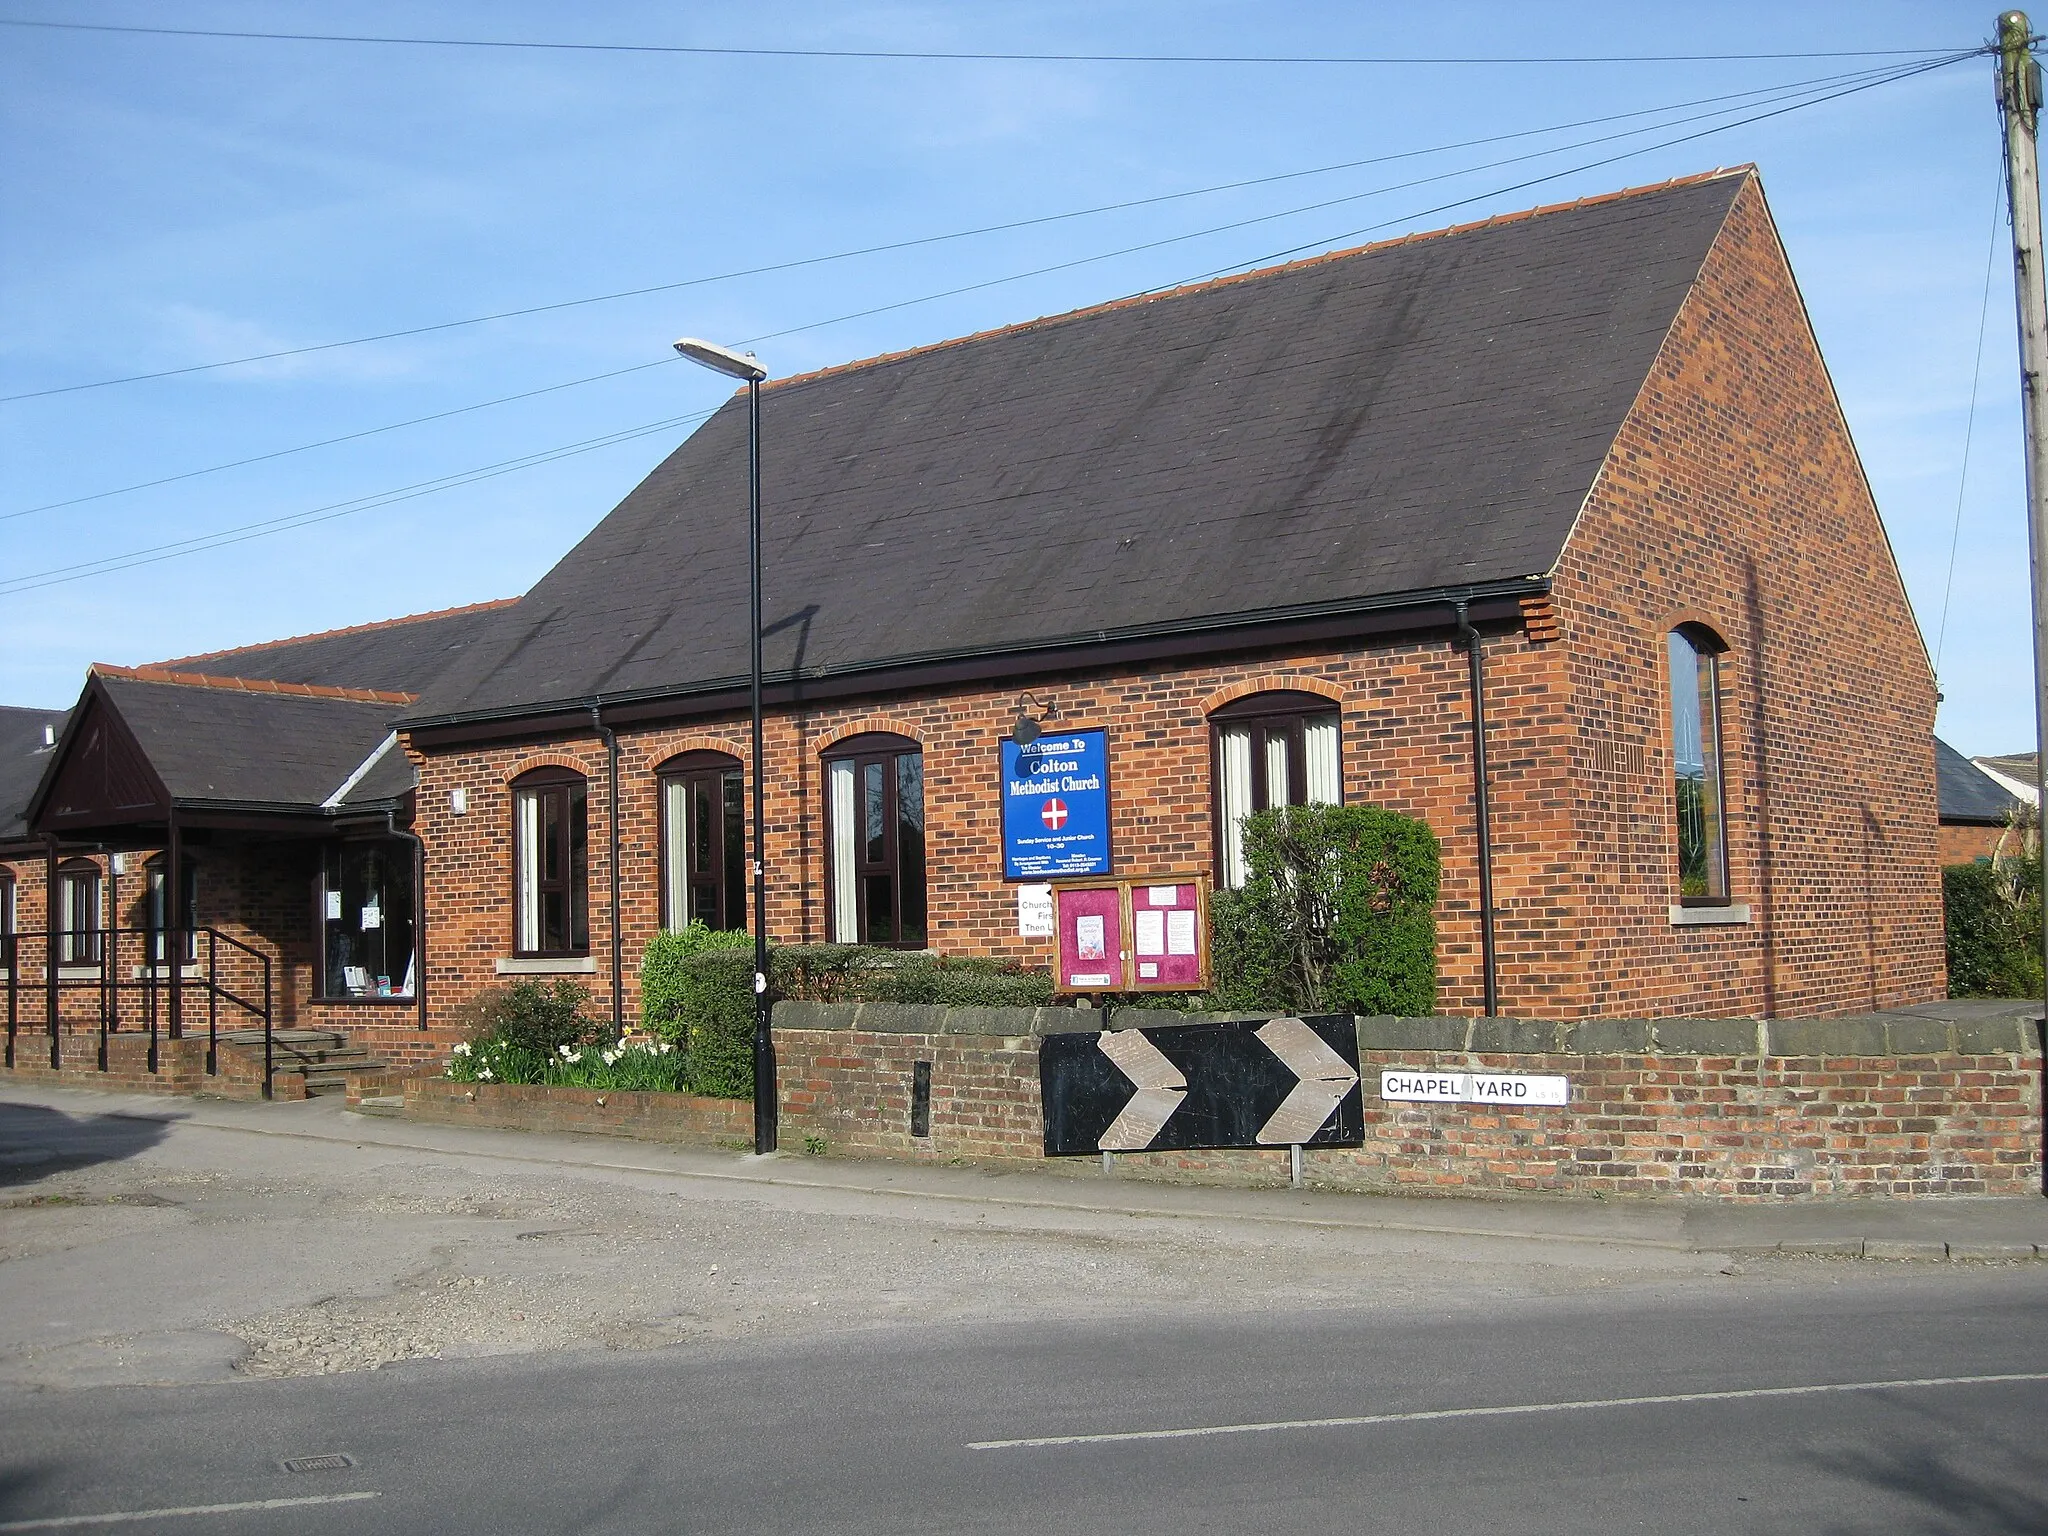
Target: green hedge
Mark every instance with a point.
(1337, 914)
(699, 993)
(1994, 928)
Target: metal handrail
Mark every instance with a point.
(162, 951)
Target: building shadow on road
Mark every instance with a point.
(36, 1142)
(1956, 1495)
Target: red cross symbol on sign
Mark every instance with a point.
(1054, 814)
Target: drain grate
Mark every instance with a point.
(333, 1461)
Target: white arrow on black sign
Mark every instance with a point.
(1161, 1088)
(1325, 1078)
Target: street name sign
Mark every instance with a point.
(1239, 1083)
(1419, 1086)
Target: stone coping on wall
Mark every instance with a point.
(1958, 1028)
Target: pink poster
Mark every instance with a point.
(1091, 938)
(1167, 937)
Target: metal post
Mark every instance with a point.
(2019, 94)
(764, 1044)
(172, 934)
(212, 1002)
(51, 946)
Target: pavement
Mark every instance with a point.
(1963, 1227)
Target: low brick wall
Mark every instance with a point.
(181, 1065)
(672, 1117)
(1735, 1109)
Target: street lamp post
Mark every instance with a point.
(741, 365)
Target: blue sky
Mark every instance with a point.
(179, 201)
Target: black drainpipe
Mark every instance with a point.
(1477, 658)
(419, 912)
(611, 746)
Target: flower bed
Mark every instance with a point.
(649, 1066)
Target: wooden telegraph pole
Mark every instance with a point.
(2019, 96)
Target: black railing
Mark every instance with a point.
(158, 991)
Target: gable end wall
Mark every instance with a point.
(1734, 496)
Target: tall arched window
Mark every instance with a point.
(550, 864)
(1695, 676)
(874, 805)
(1278, 748)
(703, 841)
(78, 912)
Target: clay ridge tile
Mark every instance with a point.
(252, 684)
(332, 634)
(1151, 296)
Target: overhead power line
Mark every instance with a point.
(927, 55)
(1787, 87)
(242, 533)
(201, 543)
(1099, 256)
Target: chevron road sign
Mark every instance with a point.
(1250, 1083)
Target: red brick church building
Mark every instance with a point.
(1254, 530)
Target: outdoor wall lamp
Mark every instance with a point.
(1024, 729)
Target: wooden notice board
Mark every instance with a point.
(1148, 934)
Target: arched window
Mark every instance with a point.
(1695, 674)
(703, 841)
(550, 864)
(188, 904)
(1268, 749)
(78, 912)
(874, 805)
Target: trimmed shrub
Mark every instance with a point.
(715, 1018)
(663, 983)
(1993, 913)
(1337, 914)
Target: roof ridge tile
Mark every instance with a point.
(251, 684)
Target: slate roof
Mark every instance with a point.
(1966, 793)
(22, 759)
(223, 745)
(1426, 414)
(405, 655)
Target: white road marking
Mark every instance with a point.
(1161, 1088)
(1354, 1421)
(1325, 1078)
(128, 1516)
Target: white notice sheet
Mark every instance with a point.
(1163, 895)
(1151, 931)
(1180, 933)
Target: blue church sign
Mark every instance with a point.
(1056, 807)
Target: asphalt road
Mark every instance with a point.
(888, 1430)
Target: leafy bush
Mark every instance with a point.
(663, 984)
(1994, 927)
(714, 1019)
(1337, 914)
(531, 1016)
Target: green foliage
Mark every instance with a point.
(1337, 914)
(1994, 927)
(663, 984)
(531, 1016)
(656, 1067)
(707, 1000)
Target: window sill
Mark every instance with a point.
(1732, 916)
(369, 998)
(550, 965)
(189, 971)
(78, 973)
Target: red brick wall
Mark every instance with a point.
(1956, 844)
(1734, 497)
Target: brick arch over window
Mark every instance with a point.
(875, 725)
(1274, 682)
(538, 760)
(1698, 626)
(696, 742)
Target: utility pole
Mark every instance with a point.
(2019, 96)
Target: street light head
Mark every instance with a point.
(735, 365)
